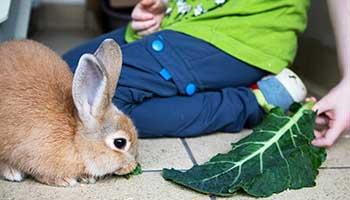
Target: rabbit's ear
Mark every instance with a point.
(90, 89)
(110, 55)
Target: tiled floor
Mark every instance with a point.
(333, 181)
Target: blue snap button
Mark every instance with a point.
(165, 74)
(157, 45)
(191, 89)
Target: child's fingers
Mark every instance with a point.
(155, 6)
(142, 25)
(323, 105)
(150, 30)
(329, 137)
(319, 134)
(141, 16)
(322, 120)
(147, 3)
(158, 7)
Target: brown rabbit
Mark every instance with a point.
(56, 128)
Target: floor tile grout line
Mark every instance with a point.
(151, 170)
(188, 150)
(159, 170)
(345, 167)
(190, 154)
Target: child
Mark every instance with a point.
(203, 70)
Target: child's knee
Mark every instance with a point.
(125, 107)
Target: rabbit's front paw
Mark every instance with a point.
(57, 181)
(87, 180)
(10, 173)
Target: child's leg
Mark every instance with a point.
(227, 110)
(175, 85)
(181, 86)
(72, 56)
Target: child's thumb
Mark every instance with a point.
(322, 106)
(147, 3)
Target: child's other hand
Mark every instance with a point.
(147, 16)
(334, 114)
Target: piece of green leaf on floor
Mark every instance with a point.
(135, 172)
(276, 156)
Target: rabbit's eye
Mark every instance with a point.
(120, 143)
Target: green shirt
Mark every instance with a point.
(262, 33)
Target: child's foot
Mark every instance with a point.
(279, 90)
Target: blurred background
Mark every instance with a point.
(63, 24)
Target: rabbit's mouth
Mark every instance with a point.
(127, 169)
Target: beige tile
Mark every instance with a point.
(332, 184)
(205, 147)
(339, 154)
(156, 154)
(143, 187)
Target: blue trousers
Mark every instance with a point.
(175, 85)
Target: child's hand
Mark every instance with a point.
(334, 113)
(147, 16)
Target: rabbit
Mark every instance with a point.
(57, 128)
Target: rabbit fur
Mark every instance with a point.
(57, 128)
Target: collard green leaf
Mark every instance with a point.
(278, 155)
(135, 172)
